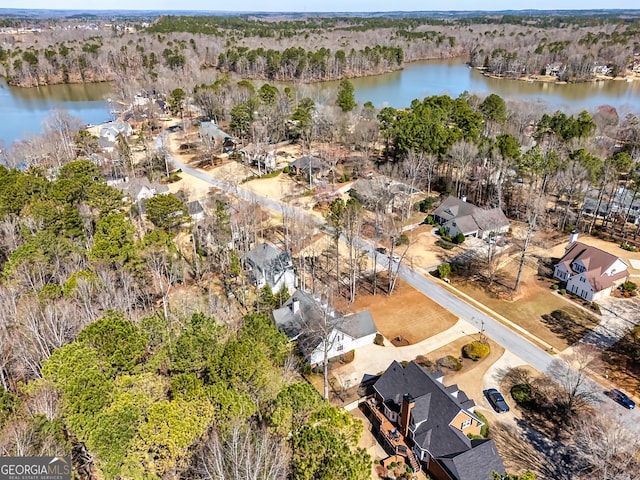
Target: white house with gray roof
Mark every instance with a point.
(457, 215)
(310, 321)
(269, 266)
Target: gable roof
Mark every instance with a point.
(134, 186)
(434, 409)
(454, 207)
(265, 256)
(195, 207)
(477, 462)
(303, 315)
(596, 262)
(316, 164)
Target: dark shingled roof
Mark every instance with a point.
(434, 409)
(303, 314)
(453, 207)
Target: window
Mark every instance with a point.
(466, 423)
(339, 348)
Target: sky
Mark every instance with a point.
(321, 5)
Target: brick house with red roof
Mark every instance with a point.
(590, 273)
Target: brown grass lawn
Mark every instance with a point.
(536, 309)
(469, 378)
(407, 314)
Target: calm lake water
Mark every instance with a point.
(453, 77)
(22, 110)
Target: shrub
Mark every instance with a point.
(450, 362)
(484, 430)
(403, 239)
(423, 361)
(555, 287)
(595, 307)
(476, 350)
(562, 291)
(444, 270)
(443, 243)
(379, 340)
(429, 220)
(459, 238)
(425, 205)
(524, 395)
(629, 286)
(628, 247)
(286, 170)
(349, 356)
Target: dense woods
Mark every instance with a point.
(310, 49)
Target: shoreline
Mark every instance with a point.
(550, 79)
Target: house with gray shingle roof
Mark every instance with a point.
(590, 273)
(310, 321)
(435, 422)
(457, 215)
(270, 266)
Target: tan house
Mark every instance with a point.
(590, 273)
(433, 423)
(457, 215)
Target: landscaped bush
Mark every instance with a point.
(562, 291)
(349, 356)
(445, 244)
(429, 220)
(379, 340)
(403, 239)
(629, 287)
(595, 307)
(524, 395)
(628, 247)
(459, 238)
(484, 430)
(444, 270)
(450, 362)
(476, 350)
(424, 361)
(555, 287)
(286, 170)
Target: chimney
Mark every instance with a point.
(573, 236)
(295, 306)
(463, 198)
(405, 413)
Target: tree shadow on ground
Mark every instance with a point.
(570, 324)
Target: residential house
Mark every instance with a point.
(310, 167)
(624, 204)
(315, 325)
(590, 273)
(556, 69)
(457, 215)
(196, 210)
(138, 189)
(434, 421)
(262, 158)
(213, 132)
(382, 194)
(270, 266)
(109, 132)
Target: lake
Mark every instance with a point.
(453, 77)
(22, 110)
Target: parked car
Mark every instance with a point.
(622, 399)
(496, 400)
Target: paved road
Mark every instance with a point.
(509, 339)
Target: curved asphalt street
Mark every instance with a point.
(508, 338)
